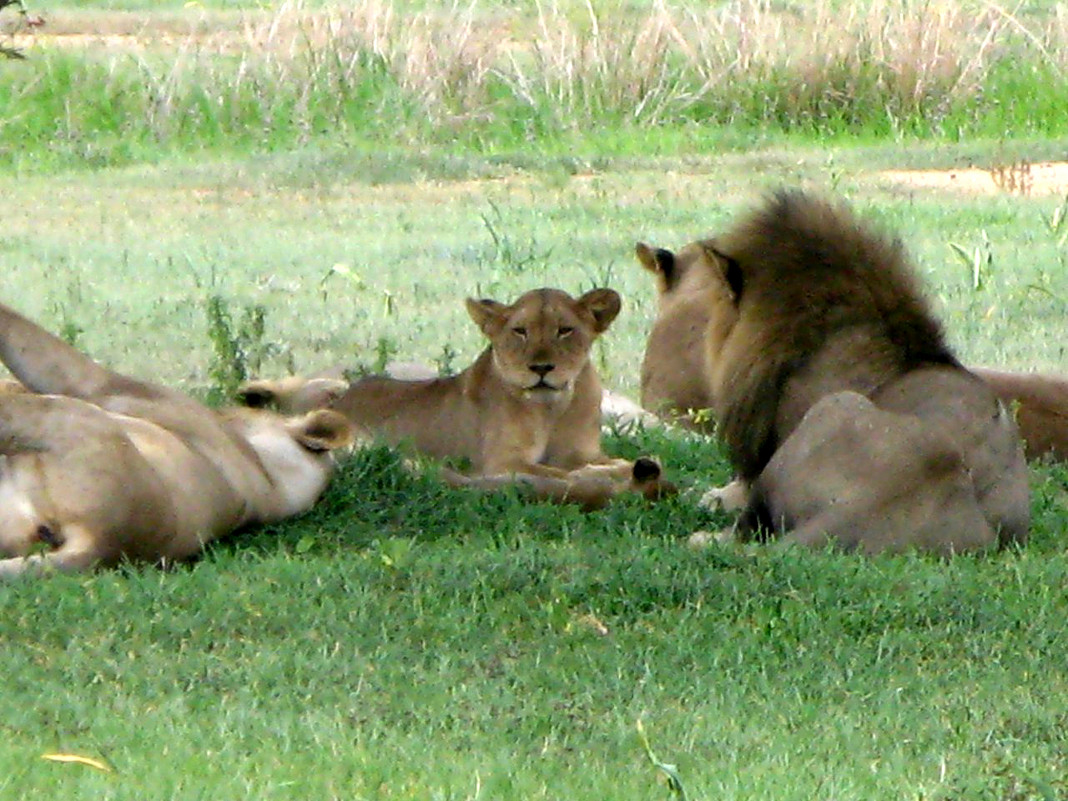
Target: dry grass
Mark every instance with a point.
(561, 66)
(1013, 177)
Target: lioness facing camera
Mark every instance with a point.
(97, 467)
(839, 402)
(528, 407)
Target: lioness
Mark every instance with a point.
(674, 374)
(96, 467)
(836, 395)
(674, 377)
(529, 406)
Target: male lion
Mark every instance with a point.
(96, 467)
(837, 397)
(527, 409)
(674, 377)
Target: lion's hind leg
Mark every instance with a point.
(47, 365)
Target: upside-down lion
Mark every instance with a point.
(97, 467)
(845, 414)
(527, 410)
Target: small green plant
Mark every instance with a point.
(446, 362)
(1057, 223)
(239, 346)
(671, 772)
(515, 257)
(385, 350)
(979, 261)
(342, 272)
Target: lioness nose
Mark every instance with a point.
(542, 370)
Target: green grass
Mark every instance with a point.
(403, 640)
(407, 641)
(275, 669)
(144, 248)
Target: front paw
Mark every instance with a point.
(730, 498)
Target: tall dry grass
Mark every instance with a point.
(297, 72)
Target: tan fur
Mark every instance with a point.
(675, 378)
(96, 467)
(1040, 404)
(674, 375)
(802, 302)
(528, 406)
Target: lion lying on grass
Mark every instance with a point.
(844, 413)
(96, 467)
(1040, 403)
(527, 410)
(674, 379)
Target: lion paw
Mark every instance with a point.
(730, 498)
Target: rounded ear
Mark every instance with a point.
(645, 470)
(487, 314)
(603, 304)
(323, 430)
(646, 257)
(256, 394)
(659, 262)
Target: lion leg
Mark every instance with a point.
(589, 492)
(519, 467)
(607, 466)
(46, 364)
(65, 560)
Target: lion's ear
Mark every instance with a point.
(323, 430)
(603, 304)
(730, 268)
(659, 262)
(487, 314)
(256, 394)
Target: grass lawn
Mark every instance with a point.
(403, 640)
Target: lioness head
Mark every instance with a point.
(698, 307)
(542, 341)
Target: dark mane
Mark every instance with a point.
(810, 270)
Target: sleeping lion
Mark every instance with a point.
(97, 467)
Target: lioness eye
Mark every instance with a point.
(564, 331)
(520, 332)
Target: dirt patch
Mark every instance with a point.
(1023, 179)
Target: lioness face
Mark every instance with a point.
(542, 341)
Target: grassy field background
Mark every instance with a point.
(407, 641)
